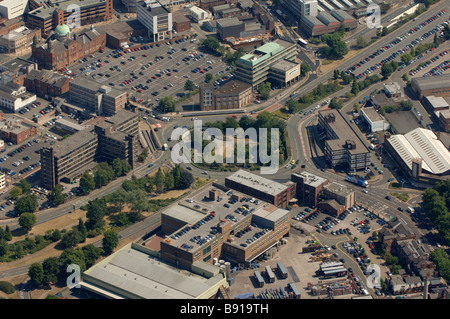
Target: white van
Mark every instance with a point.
(410, 210)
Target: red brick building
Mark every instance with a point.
(46, 83)
(15, 130)
(62, 50)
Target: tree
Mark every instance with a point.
(72, 256)
(211, 44)
(159, 180)
(36, 273)
(82, 229)
(57, 196)
(264, 90)
(361, 42)
(208, 77)
(336, 104)
(337, 74)
(27, 221)
(336, 47)
(170, 182)
(189, 85)
(91, 254)
(386, 70)
(167, 104)
(304, 68)
(186, 179)
(87, 182)
(51, 270)
(103, 174)
(15, 192)
(71, 238)
(25, 185)
(355, 87)
(26, 204)
(110, 241)
(384, 31)
(406, 58)
(96, 211)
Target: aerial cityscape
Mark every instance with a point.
(224, 149)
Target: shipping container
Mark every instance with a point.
(282, 270)
(270, 274)
(259, 279)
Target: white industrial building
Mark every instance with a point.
(420, 150)
(13, 97)
(134, 272)
(375, 120)
(156, 18)
(11, 9)
(199, 15)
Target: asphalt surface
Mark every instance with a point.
(296, 124)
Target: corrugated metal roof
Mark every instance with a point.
(139, 275)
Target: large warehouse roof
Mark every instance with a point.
(422, 143)
(131, 273)
(432, 82)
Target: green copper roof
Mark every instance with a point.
(62, 30)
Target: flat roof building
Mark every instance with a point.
(375, 120)
(96, 97)
(156, 18)
(438, 85)
(254, 67)
(11, 9)
(308, 187)
(115, 137)
(262, 188)
(48, 18)
(134, 273)
(231, 95)
(342, 145)
(203, 228)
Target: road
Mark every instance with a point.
(296, 125)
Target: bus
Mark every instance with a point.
(282, 270)
(302, 42)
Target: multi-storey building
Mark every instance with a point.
(46, 83)
(13, 97)
(343, 147)
(156, 18)
(62, 49)
(11, 9)
(95, 97)
(15, 129)
(18, 40)
(308, 187)
(301, 8)
(116, 137)
(231, 95)
(48, 18)
(277, 194)
(263, 223)
(254, 67)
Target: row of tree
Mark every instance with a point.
(55, 269)
(436, 202)
(102, 174)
